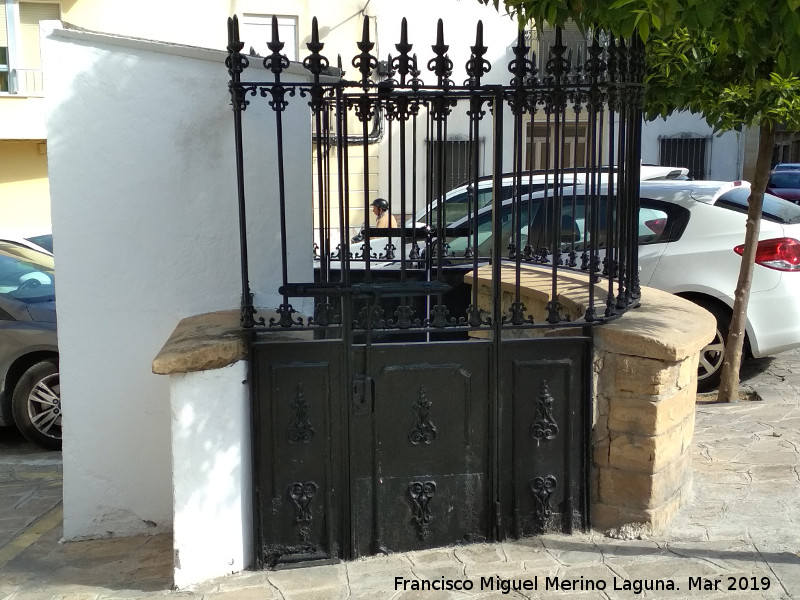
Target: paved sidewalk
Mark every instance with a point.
(742, 528)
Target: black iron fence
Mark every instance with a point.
(553, 165)
(459, 431)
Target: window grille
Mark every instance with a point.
(688, 152)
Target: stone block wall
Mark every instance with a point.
(645, 381)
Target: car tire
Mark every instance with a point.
(37, 405)
(709, 368)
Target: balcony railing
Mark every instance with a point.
(26, 82)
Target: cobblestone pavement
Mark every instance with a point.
(741, 530)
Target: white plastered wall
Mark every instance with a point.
(213, 529)
(724, 153)
(145, 224)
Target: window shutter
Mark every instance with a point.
(3, 27)
(30, 13)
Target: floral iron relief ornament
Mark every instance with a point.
(424, 431)
(301, 495)
(544, 426)
(542, 489)
(301, 430)
(421, 493)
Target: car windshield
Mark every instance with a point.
(45, 241)
(26, 274)
(774, 209)
(785, 179)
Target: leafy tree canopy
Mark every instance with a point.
(735, 61)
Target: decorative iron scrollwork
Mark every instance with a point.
(544, 426)
(516, 315)
(324, 315)
(542, 489)
(476, 317)
(301, 430)
(370, 317)
(421, 494)
(554, 312)
(439, 318)
(405, 318)
(301, 495)
(424, 431)
(285, 312)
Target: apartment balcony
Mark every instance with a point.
(22, 115)
(27, 82)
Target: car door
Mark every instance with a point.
(659, 224)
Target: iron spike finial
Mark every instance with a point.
(440, 45)
(315, 62)
(365, 62)
(275, 29)
(521, 67)
(233, 25)
(314, 45)
(235, 61)
(477, 66)
(275, 62)
(441, 64)
(365, 31)
(403, 47)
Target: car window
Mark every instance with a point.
(45, 241)
(652, 225)
(774, 209)
(484, 229)
(457, 206)
(26, 274)
(784, 179)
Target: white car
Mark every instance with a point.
(40, 241)
(690, 242)
(458, 201)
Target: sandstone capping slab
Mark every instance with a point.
(208, 341)
(665, 327)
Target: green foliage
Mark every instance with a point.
(735, 61)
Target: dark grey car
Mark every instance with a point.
(30, 391)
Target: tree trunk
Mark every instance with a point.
(729, 384)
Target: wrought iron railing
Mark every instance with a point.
(560, 191)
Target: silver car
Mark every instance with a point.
(30, 392)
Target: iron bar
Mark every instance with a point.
(236, 63)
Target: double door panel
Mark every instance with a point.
(410, 446)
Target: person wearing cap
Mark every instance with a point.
(384, 219)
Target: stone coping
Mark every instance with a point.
(213, 341)
(664, 327)
(207, 341)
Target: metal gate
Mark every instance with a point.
(423, 403)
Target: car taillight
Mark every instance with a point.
(656, 225)
(782, 254)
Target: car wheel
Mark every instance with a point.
(709, 369)
(37, 405)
